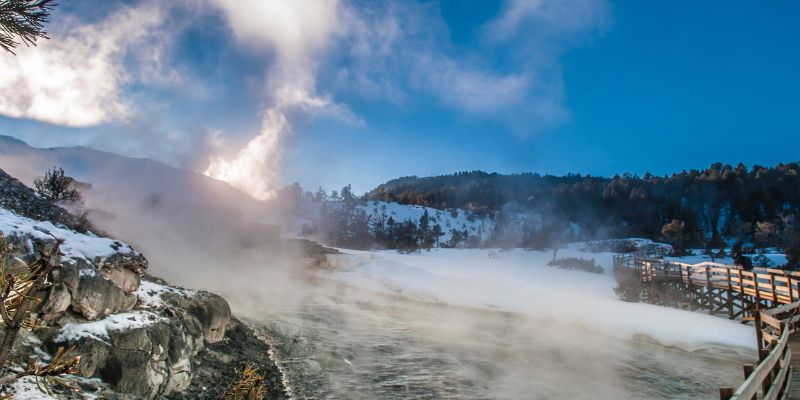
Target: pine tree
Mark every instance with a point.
(57, 187)
(425, 236)
(22, 21)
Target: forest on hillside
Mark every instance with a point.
(709, 208)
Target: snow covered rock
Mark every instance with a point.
(90, 293)
(148, 351)
(98, 277)
(17, 197)
(138, 336)
(140, 353)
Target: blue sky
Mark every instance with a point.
(263, 93)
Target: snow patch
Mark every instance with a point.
(149, 293)
(99, 329)
(27, 389)
(88, 272)
(76, 245)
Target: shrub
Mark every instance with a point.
(572, 263)
(249, 386)
(57, 187)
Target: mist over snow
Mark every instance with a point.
(521, 281)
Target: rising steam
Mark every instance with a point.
(255, 168)
(296, 32)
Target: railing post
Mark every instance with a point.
(729, 294)
(759, 336)
(748, 370)
(774, 292)
(691, 287)
(709, 292)
(741, 294)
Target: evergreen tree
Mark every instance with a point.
(57, 187)
(424, 229)
(347, 194)
(320, 195)
(22, 21)
(793, 255)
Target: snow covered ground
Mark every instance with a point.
(520, 281)
(775, 259)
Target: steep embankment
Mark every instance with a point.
(139, 336)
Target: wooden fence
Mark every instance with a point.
(768, 297)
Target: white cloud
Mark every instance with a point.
(402, 51)
(296, 31)
(553, 17)
(77, 78)
(470, 89)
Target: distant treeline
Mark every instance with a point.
(698, 208)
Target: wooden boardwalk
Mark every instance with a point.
(794, 389)
(769, 298)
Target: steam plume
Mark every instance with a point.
(296, 31)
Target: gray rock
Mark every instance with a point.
(91, 294)
(125, 270)
(149, 361)
(79, 286)
(210, 310)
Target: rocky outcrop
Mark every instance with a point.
(141, 337)
(148, 360)
(148, 351)
(125, 270)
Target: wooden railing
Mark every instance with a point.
(773, 285)
(771, 378)
(768, 297)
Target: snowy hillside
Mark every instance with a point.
(457, 219)
(305, 219)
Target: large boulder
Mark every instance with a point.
(79, 286)
(139, 353)
(211, 311)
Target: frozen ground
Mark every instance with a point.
(520, 281)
